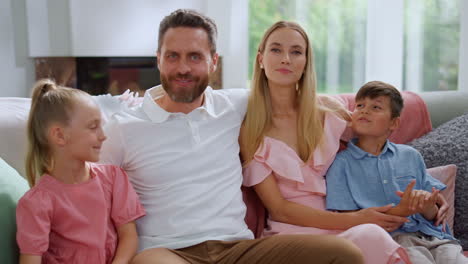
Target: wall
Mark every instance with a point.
(98, 28)
(16, 68)
(233, 42)
(124, 28)
(39, 28)
(121, 27)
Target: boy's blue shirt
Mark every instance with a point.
(358, 179)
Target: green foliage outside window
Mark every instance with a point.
(313, 16)
(338, 27)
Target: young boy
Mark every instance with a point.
(373, 171)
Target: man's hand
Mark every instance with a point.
(378, 216)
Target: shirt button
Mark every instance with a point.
(385, 181)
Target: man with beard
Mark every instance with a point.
(180, 150)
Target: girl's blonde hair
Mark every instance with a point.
(50, 104)
(258, 119)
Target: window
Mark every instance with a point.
(432, 36)
(412, 44)
(336, 29)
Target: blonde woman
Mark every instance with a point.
(288, 140)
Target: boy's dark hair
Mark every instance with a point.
(189, 18)
(376, 88)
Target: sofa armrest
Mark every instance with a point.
(444, 106)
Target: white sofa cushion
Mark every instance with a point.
(13, 142)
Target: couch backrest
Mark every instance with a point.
(446, 105)
(13, 116)
(442, 107)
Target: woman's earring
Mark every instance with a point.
(261, 66)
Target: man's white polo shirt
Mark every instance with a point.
(184, 167)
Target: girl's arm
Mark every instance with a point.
(282, 210)
(128, 243)
(30, 259)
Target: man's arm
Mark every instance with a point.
(112, 151)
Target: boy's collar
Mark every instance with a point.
(358, 153)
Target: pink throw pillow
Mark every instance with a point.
(447, 174)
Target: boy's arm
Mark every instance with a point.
(340, 198)
(128, 243)
(404, 207)
(282, 210)
(430, 208)
(431, 213)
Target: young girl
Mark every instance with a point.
(77, 211)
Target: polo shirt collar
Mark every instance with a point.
(158, 115)
(358, 153)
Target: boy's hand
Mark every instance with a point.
(419, 201)
(404, 208)
(442, 213)
(429, 205)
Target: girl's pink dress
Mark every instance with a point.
(304, 183)
(76, 223)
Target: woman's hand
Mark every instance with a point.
(379, 216)
(335, 105)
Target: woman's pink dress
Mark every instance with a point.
(76, 223)
(304, 183)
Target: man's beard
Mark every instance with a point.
(185, 94)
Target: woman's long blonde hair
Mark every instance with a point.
(50, 103)
(258, 119)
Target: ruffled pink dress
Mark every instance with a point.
(76, 223)
(304, 183)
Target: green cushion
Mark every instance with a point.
(12, 187)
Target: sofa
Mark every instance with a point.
(427, 120)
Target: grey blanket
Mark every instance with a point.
(448, 144)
